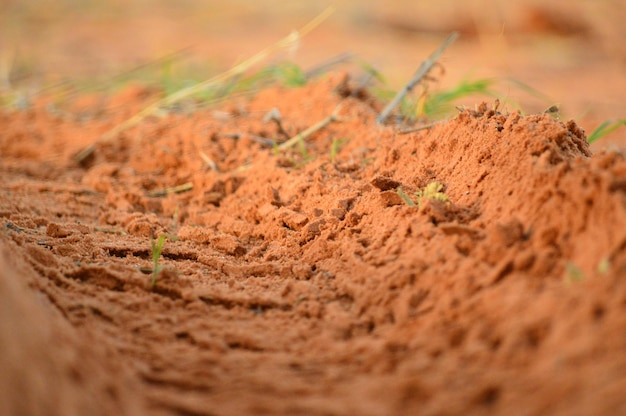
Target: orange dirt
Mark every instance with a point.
(299, 281)
(310, 287)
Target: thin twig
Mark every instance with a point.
(420, 128)
(422, 71)
(311, 130)
(256, 138)
(274, 116)
(210, 163)
(242, 168)
(173, 190)
(109, 231)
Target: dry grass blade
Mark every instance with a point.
(420, 128)
(209, 162)
(233, 72)
(422, 71)
(173, 190)
(314, 128)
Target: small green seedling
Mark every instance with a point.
(432, 191)
(605, 266)
(290, 75)
(605, 128)
(335, 147)
(405, 197)
(157, 249)
(573, 274)
(372, 72)
(440, 103)
(304, 152)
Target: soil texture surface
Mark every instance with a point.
(204, 262)
(304, 282)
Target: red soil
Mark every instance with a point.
(301, 282)
(306, 285)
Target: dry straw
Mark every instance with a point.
(289, 41)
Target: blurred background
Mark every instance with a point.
(536, 53)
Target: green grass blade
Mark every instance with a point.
(290, 75)
(373, 72)
(157, 249)
(405, 197)
(607, 127)
(441, 102)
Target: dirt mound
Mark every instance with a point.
(475, 266)
(47, 369)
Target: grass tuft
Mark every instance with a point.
(231, 75)
(289, 74)
(442, 102)
(573, 274)
(604, 266)
(157, 248)
(432, 191)
(335, 147)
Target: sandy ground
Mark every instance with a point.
(301, 280)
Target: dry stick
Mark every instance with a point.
(314, 128)
(420, 128)
(325, 66)
(301, 136)
(422, 71)
(274, 115)
(239, 69)
(259, 139)
(109, 231)
(188, 186)
(210, 163)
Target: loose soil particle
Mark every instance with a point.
(300, 285)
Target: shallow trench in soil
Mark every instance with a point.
(301, 281)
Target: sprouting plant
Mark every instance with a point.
(432, 191)
(605, 128)
(604, 266)
(175, 217)
(290, 74)
(335, 147)
(228, 76)
(157, 249)
(275, 149)
(573, 273)
(405, 197)
(305, 155)
(438, 103)
(303, 150)
(371, 71)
